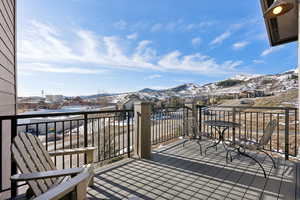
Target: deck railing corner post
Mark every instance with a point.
(142, 130)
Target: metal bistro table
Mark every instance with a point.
(221, 127)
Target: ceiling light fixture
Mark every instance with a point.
(278, 8)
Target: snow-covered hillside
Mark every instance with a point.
(269, 84)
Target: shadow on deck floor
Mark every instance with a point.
(177, 172)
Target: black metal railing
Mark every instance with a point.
(111, 132)
(253, 121)
(169, 123)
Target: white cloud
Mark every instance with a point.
(201, 25)
(144, 53)
(41, 67)
(121, 24)
(154, 76)
(258, 61)
(91, 53)
(196, 41)
(231, 30)
(271, 50)
(132, 36)
(179, 25)
(196, 63)
(240, 45)
(159, 87)
(219, 39)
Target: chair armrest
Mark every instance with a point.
(46, 174)
(63, 152)
(78, 184)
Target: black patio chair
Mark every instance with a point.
(243, 145)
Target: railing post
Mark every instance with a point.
(186, 118)
(233, 119)
(142, 130)
(195, 127)
(128, 134)
(286, 134)
(199, 108)
(85, 135)
(14, 171)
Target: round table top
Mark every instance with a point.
(221, 123)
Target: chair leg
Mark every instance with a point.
(229, 153)
(184, 143)
(248, 156)
(273, 161)
(200, 146)
(214, 145)
(227, 156)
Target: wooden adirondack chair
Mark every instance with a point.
(39, 171)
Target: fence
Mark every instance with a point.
(253, 121)
(110, 131)
(169, 123)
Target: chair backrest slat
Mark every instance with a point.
(24, 169)
(35, 158)
(29, 164)
(269, 130)
(31, 156)
(43, 155)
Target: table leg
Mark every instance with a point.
(222, 137)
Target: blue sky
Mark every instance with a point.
(80, 47)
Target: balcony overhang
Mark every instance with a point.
(282, 29)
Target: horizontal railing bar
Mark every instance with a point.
(255, 107)
(61, 114)
(50, 122)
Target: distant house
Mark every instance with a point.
(128, 102)
(31, 100)
(251, 94)
(54, 98)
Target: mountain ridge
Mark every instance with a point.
(270, 83)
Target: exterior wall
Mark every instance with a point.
(7, 58)
(7, 84)
(129, 104)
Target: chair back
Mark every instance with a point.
(269, 130)
(31, 156)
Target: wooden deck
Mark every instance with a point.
(177, 172)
